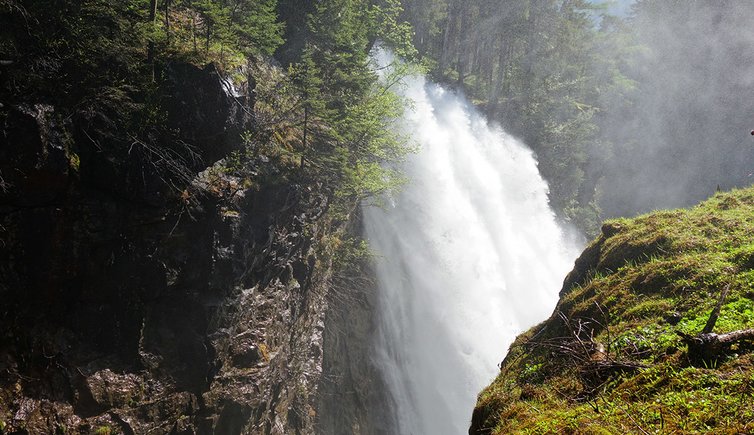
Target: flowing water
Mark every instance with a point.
(469, 254)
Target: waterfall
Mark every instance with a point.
(468, 254)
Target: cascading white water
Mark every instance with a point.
(469, 255)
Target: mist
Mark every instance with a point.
(469, 255)
(683, 132)
(629, 106)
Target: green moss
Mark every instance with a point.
(103, 430)
(74, 161)
(637, 285)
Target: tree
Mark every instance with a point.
(532, 65)
(346, 111)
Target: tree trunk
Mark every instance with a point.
(150, 46)
(193, 24)
(448, 35)
(167, 21)
(707, 347)
(462, 45)
(209, 33)
(306, 122)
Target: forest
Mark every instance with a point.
(606, 102)
(626, 114)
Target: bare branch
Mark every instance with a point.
(716, 311)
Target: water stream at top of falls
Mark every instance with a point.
(469, 254)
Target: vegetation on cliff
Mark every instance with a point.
(631, 346)
(105, 66)
(173, 208)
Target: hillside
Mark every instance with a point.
(624, 352)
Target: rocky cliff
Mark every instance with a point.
(146, 290)
(652, 333)
(354, 399)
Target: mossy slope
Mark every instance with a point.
(610, 359)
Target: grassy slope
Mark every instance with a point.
(609, 359)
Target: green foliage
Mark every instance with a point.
(255, 23)
(347, 137)
(222, 28)
(653, 276)
(76, 52)
(387, 25)
(103, 430)
(70, 53)
(99, 60)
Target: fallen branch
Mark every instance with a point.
(716, 311)
(581, 351)
(708, 347)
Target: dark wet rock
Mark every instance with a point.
(110, 390)
(35, 157)
(353, 396)
(673, 318)
(126, 308)
(245, 353)
(203, 110)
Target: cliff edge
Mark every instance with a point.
(652, 333)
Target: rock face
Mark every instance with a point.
(353, 399)
(129, 308)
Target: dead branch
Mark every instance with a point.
(173, 168)
(4, 186)
(582, 352)
(716, 311)
(707, 347)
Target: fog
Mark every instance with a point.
(684, 130)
